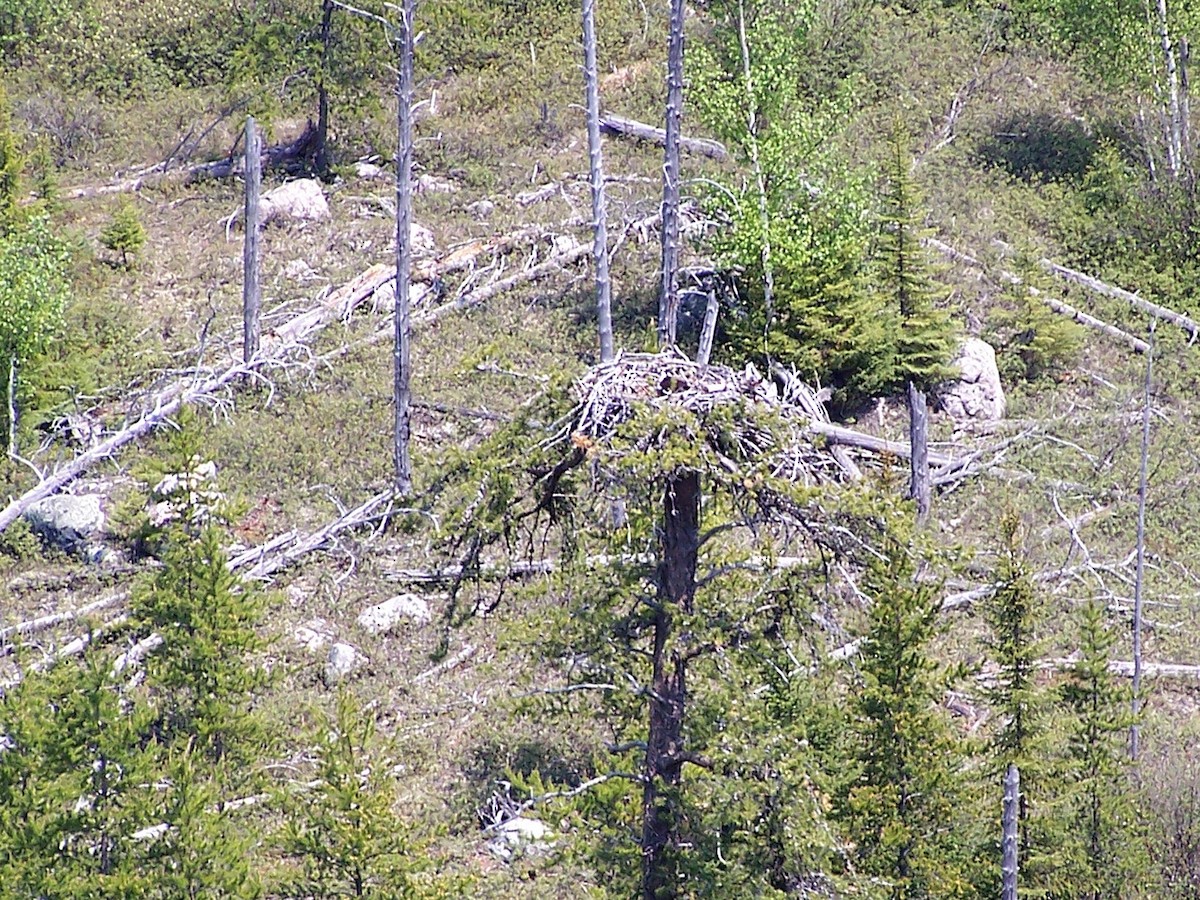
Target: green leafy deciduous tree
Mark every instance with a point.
(33, 294)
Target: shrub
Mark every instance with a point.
(124, 234)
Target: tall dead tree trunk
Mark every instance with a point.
(1171, 71)
(596, 169)
(918, 440)
(1010, 863)
(404, 164)
(321, 150)
(665, 754)
(760, 179)
(251, 290)
(1138, 581)
(668, 303)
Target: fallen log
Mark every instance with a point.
(1107, 290)
(275, 555)
(290, 156)
(1135, 344)
(42, 623)
(622, 127)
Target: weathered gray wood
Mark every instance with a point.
(1099, 287)
(764, 215)
(1010, 863)
(1063, 309)
(404, 161)
(1139, 577)
(596, 173)
(708, 332)
(668, 302)
(919, 488)
(620, 126)
(251, 288)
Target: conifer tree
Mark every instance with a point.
(1023, 711)
(1111, 858)
(923, 343)
(906, 811)
(124, 234)
(343, 838)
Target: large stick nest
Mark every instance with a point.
(758, 422)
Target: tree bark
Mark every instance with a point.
(321, 149)
(251, 289)
(1139, 577)
(918, 434)
(1174, 134)
(680, 544)
(1010, 864)
(596, 170)
(404, 163)
(668, 305)
(11, 391)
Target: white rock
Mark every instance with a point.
(66, 521)
(421, 239)
(343, 660)
(520, 836)
(313, 635)
(302, 199)
(370, 171)
(976, 395)
(385, 616)
(427, 184)
(481, 209)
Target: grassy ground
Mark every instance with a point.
(320, 440)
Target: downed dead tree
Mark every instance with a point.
(1134, 343)
(622, 127)
(290, 156)
(279, 344)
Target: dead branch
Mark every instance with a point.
(640, 131)
(1064, 309)
(276, 554)
(289, 155)
(42, 623)
(447, 664)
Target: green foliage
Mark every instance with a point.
(33, 293)
(344, 838)
(1110, 857)
(124, 234)
(11, 164)
(1032, 341)
(74, 785)
(908, 812)
(1025, 710)
(822, 321)
(904, 277)
(18, 541)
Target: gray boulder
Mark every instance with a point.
(976, 395)
(386, 616)
(343, 661)
(66, 521)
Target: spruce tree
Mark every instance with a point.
(343, 838)
(906, 812)
(906, 279)
(11, 164)
(124, 234)
(1111, 860)
(1023, 711)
